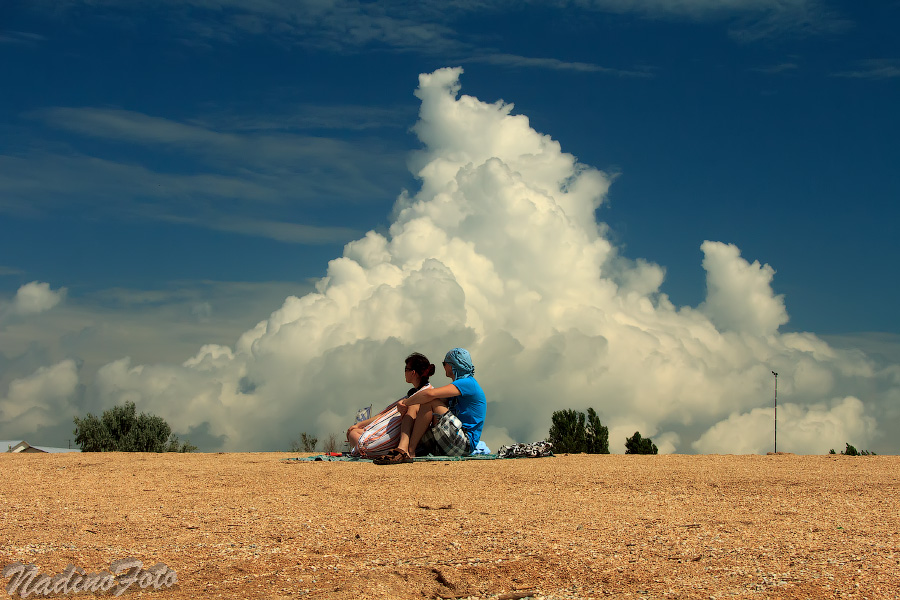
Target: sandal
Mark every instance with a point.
(394, 457)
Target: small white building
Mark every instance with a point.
(21, 446)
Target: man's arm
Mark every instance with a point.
(429, 394)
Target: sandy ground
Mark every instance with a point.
(255, 526)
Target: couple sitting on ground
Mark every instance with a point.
(444, 421)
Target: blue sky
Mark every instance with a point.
(182, 167)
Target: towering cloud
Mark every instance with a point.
(739, 296)
(500, 251)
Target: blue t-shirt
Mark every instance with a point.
(470, 407)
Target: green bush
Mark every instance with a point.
(121, 429)
(638, 445)
(572, 432)
(852, 451)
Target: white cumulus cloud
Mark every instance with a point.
(739, 295)
(36, 297)
(40, 400)
(500, 251)
(802, 428)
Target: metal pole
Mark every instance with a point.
(776, 410)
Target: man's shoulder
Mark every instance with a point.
(469, 385)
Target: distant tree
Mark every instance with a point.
(306, 443)
(185, 446)
(570, 432)
(638, 445)
(852, 451)
(121, 429)
(567, 431)
(597, 434)
(331, 443)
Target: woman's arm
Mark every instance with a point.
(370, 420)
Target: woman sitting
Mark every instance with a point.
(377, 435)
(447, 420)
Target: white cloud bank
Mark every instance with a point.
(806, 426)
(41, 399)
(500, 252)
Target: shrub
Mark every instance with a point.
(121, 429)
(638, 445)
(307, 443)
(852, 451)
(571, 432)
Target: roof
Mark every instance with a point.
(19, 446)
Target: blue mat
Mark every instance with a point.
(540, 449)
(429, 458)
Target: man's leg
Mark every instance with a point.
(450, 437)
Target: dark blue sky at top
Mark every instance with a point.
(785, 145)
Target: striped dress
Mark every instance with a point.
(383, 433)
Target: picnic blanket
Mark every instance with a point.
(428, 458)
(532, 450)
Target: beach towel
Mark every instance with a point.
(532, 450)
(427, 458)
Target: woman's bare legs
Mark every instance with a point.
(421, 425)
(353, 435)
(415, 423)
(406, 427)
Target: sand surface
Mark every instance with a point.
(255, 526)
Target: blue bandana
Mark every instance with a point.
(461, 363)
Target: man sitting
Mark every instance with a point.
(448, 420)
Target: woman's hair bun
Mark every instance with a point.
(430, 371)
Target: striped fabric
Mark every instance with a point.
(382, 434)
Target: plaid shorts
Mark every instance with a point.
(447, 438)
